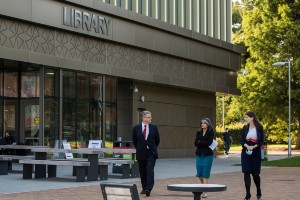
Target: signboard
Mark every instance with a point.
(95, 144)
(67, 145)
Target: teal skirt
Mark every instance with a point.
(203, 165)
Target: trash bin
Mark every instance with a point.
(117, 168)
(264, 152)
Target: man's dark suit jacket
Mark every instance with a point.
(141, 144)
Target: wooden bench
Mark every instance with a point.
(52, 165)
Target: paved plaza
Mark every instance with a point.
(277, 183)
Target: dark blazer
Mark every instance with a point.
(204, 143)
(260, 138)
(141, 144)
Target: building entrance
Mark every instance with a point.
(29, 121)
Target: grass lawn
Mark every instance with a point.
(287, 162)
(271, 147)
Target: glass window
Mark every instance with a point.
(95, 120)
(10, 115)
(96, 87)
(82, 86)
(51, 83)
(69, 121)
(110, 89)
(30, 84)
(51, 121)
(110, 122)
(69, 84)
(83, 132)
(11, 84)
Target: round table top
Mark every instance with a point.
(197, 187)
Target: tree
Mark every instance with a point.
(269, 32)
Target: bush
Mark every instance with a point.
(221, 146)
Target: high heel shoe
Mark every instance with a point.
(247, 197)
(258, 194)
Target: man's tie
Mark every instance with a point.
(144, 131)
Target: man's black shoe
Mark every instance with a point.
(143, 192)
(147, 193)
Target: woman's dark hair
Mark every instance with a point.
(256, 123)
(208, 122)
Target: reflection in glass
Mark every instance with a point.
(82, 86)
(83, 132)
(30, 84)
(69, 84)
(110, 89)
(51, 83)
(10, 109)
(31, 123)
(110, 109)
(95, 120)
(51, 121)
(10, 84)
(96, 87)
(69, 119)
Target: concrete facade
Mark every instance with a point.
(178, 71)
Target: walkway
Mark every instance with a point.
(277, 183)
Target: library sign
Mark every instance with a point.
(86, 21)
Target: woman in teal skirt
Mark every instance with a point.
(204, 155)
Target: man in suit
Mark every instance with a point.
(226, 139)
(145, 137)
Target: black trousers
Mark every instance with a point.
(146, 168)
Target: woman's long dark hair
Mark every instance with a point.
(256, 123)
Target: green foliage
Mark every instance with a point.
(287, 162)
(270, 33)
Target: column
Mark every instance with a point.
(203, 17)
(135, 6)
(154, 9)
(124, 4)
(180, 13)
(228, 20)
(210, 18)
(188, 14)
(196, 16)
(145, 7)
(173, 13)
(223, 20)
(216, 17)
(164, 11)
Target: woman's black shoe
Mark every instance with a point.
(258, 197)
(247, 197)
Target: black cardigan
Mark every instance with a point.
(203, 142)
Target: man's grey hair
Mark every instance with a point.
(144, 113)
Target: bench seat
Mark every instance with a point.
(103, 167)
(52, 165)
(4, 162)
(12, 158)
(16, 157)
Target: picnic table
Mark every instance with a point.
(197, 189)
(91, 153)
(6, 160)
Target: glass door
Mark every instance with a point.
(30, 120)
